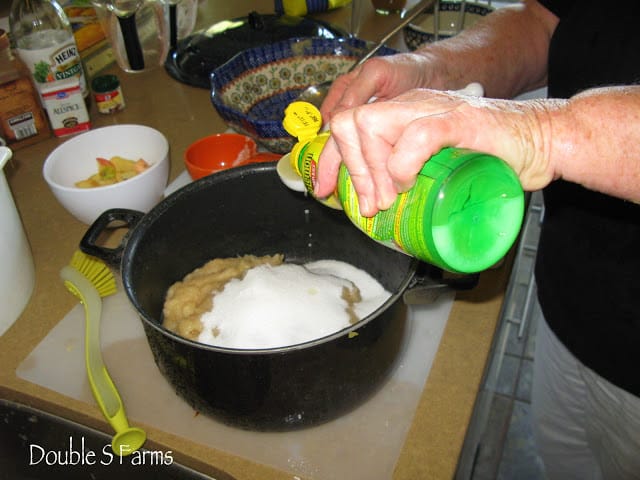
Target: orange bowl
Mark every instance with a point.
(222, 151)
(218, 152)
(265, 157)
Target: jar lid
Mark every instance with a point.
(302, 120)
(105, 83)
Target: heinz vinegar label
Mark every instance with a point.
(51, 63)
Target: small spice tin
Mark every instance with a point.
(107, 93)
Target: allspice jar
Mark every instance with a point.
(107, 93)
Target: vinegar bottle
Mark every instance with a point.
(45, 43)
(463, 213)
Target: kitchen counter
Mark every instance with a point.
(184, 114)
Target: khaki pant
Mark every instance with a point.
(585, 427)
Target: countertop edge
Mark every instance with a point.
(447, 403)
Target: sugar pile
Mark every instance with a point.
(276, 306)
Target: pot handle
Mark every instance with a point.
(119, 217)
(429, 283)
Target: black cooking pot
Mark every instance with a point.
(248, 211)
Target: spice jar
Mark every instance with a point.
(107, 93)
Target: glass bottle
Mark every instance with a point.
(44, 41)
(463, 213)
(138, 32)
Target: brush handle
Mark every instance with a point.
(89, 279)
(101, 383)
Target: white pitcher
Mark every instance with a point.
(17, 271)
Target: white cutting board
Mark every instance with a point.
(363, 444)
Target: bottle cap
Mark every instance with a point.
(302, 120)
(105, 83)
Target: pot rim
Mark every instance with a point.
(152, 322)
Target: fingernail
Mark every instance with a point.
(365, 205)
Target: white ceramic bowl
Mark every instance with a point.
(75, 160)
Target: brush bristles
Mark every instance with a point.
(96, 272)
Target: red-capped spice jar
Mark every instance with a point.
(107, 93)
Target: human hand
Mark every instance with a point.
(382, 78)
(385, 144)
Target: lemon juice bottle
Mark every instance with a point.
(463, 213)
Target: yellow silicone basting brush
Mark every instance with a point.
(89, 279)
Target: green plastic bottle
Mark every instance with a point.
(463, 213)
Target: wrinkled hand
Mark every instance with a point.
(385, 144)
(381, 77)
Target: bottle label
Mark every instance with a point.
(53, 64)
(413, 220)
(401, 226)
(66, 108)
(109, 102)
(307, 165)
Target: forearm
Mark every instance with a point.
(590, 139)
(593, 139)
(505, 51)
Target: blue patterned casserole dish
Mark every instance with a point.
(252, 89)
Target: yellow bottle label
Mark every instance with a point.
(401, 226)
(306, 163)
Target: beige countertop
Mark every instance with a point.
(184, 114)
